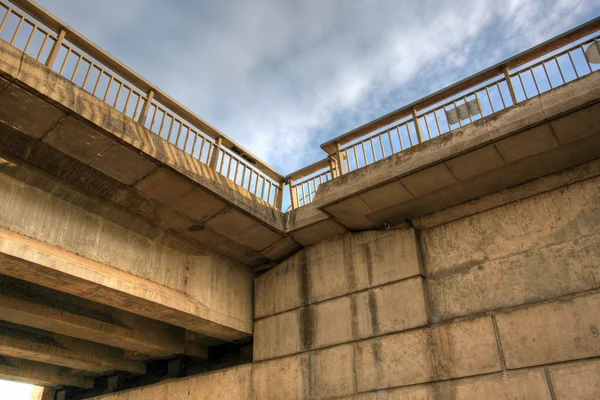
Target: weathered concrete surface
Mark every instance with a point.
(337, 267)
(369, 283)
(53, 311)
(72, 249)
(536, 249)
(424, 355)
(576, 381)
(51, 348)
(232, 384)
(290, 375)
(558, 331)
(32, 372)
(38, 102)
(332, 372)
(288, 379)
(546, 134)
(529, 385)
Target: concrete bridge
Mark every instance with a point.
(135, 245)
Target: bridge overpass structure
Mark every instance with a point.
(139, 244)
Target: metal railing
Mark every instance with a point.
(538, 70)
(40, 35)
(48, 40)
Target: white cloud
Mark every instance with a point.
(281, 77)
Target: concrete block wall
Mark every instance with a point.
(503, 304)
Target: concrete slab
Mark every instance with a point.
(326, 333)
(386, 195)
(475, 163)
(53, 311)
(428, 180)
(78, 139)
(510, 175)
(549, 333)
(124, 165)
(281, 249)
(284, 379)
(51, 348)
(231, 223)
(332, 372)
(429, 354)
(527, 384)
(350, 213)
(27, 113)
(36, 373)
(577, 125)
(49, 266)
(164, 186)
(199, 205)
(318, 232)
(526, 144)
(279, 335)
(258, 237)
(577, 381)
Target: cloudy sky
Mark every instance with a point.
(282, 77)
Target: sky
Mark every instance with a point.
(282, 77)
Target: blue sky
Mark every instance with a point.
(281, 77)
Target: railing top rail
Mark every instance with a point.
(520, 59)
(309, 169)
(80, 41)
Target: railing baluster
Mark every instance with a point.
(33, 30)
(42, 47)
(8, 12)
(64, 64)
(12, 41)
(118, 94)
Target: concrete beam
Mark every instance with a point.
(51, 348)
(38, 307)
(42, 264)
(26, 371)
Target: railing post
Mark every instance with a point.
(146, 108)
(511, 88)
(333, 167)
(214, 157)
(420, 137)
(279, 196)
(55, 49)
(340, 160)
(293, 198)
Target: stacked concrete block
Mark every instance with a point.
(500, 305)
